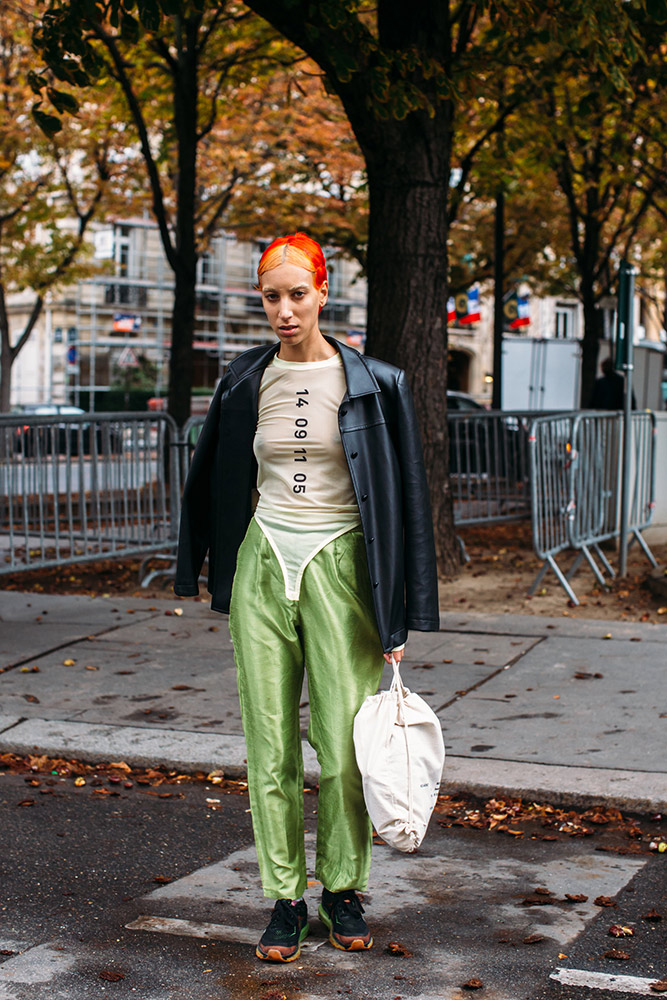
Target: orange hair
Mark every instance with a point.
(299, 249)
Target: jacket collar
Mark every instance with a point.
(360, 380)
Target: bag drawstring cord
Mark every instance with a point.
(397, 684)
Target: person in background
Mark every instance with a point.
(609, 389)
(326, 575)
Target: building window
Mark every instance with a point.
(206, 265)
(566, 321)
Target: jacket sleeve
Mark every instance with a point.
(421, 575)
(194, 535)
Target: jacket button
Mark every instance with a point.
(372, 539)
(354, 454)
(364, 497)
(375, 583)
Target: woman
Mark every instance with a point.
(330, 571)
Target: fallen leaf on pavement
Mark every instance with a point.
(653, 916)
(605, 901)
(576, 898)
(621, 956)
(110, 976)
(620, 930)
(394, 948)
(533, 939)
(162, 879)
(473, 984)
(659, 987)
(599, 818)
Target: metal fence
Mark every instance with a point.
(575, 465)
(79, 488)
(488, 461)
(85, 487)
(489, 466)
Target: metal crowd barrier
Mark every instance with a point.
(80, 488)
(489, 466)
(575, 488)
(85, 487)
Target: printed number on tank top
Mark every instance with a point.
(300, 432)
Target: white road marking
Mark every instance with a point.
(604, 981)
(202, 929)
(36, 965)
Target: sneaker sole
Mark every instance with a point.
(357, 945)
(273, 955)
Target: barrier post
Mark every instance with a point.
(624, 352)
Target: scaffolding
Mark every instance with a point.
(124, 312)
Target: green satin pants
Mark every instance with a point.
(331, 633)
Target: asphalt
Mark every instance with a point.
(572, 712)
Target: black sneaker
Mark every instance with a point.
(341, 912)
(281, 941)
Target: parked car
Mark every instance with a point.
(35, 439)
(461, 402)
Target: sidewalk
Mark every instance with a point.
(568, 711)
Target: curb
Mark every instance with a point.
(574, 787)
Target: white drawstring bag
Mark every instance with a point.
(400, 753)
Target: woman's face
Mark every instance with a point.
(292, 305)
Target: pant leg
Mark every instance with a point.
(269, 662)
(344, 663)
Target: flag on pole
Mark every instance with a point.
(451, 309)
(126, 323)
(467, 307)
(516, 310)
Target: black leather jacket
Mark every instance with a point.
(379, 432)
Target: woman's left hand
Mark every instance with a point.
(397, 654)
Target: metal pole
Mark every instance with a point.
(625, 337)
(498, 293)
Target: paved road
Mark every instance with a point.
(80, 898)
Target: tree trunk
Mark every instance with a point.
(408, 168)
(5, 374)
(591, 340)
(9, 354)
(181, 362)
(185, 273)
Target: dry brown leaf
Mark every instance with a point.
(616, 953)
(473, 984)
(394, 948)
(620, 930)
(605, 901)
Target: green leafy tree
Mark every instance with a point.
(215, 98)
(50, 190)
(598, 146)
(396, 68)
